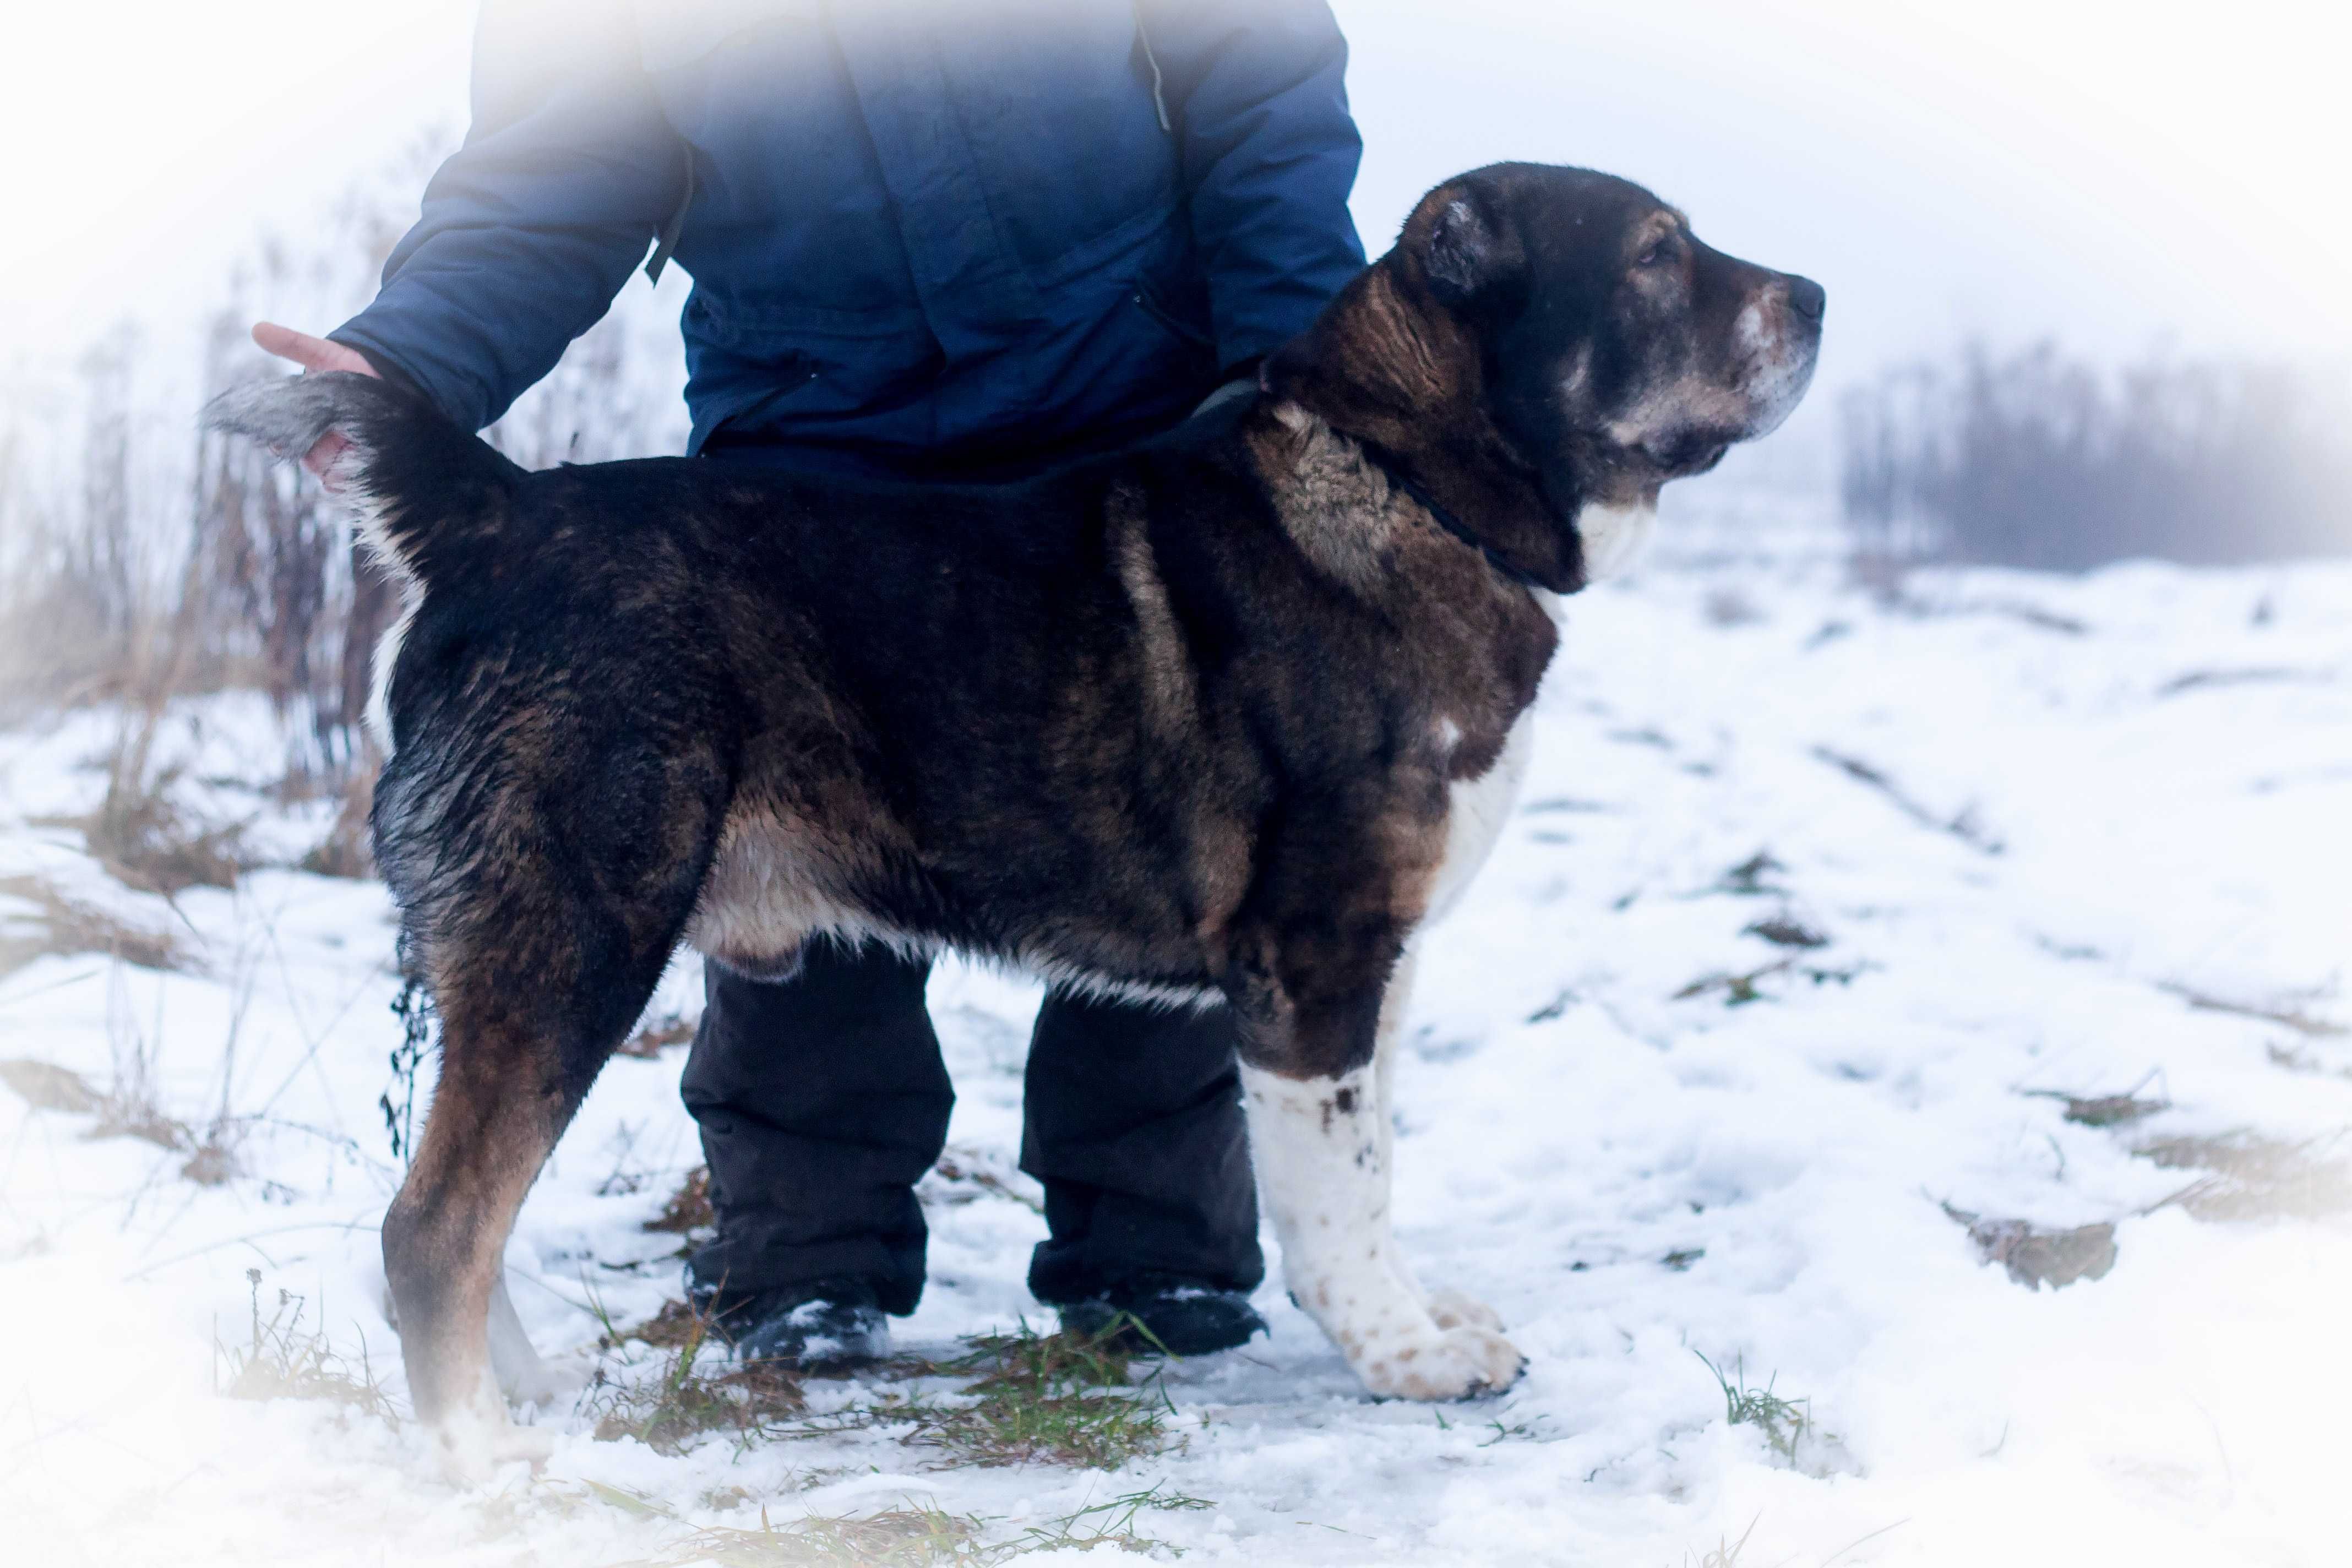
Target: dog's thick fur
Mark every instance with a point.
(1226, 716)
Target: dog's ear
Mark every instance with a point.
(1472, 254)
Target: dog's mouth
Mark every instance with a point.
(1688, 452)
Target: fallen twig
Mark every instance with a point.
(2283, 1014)
(1964, 826)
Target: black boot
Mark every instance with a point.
(1160, 1312)
(823, 1101)
(810, 1326)
(1134, 1128)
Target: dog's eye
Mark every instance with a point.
(1661, 251)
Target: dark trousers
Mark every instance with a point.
(823, 1100)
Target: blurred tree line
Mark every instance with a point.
(2040, 460)
(141, 559)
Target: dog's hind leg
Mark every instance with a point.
(541, 942)
(515, 1063)
(521, 1376)
(495, 1115)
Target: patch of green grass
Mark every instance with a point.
(1109, 1523)
(1749, 879)
(1069, 1399)
(1785, 930)
(1785, 1423)
(1061, 1398)
(1524, 1431)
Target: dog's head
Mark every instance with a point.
(1567, 330)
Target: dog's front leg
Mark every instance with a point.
(1450, 1308)
(1321, 1144)
(1319, 1158)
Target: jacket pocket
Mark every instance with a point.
(1168, 308)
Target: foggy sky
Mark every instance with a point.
(2118, 175)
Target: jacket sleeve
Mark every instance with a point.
(1254, 90)
(567, 174)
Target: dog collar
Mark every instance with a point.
(1390, 464)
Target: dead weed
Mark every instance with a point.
(694, 1392)
(689, 1208)
(656, 1036)
(2249, 1177)
(282, 1359)
(67, 926)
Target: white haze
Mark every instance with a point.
(2122, 176)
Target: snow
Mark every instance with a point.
(2160, 756)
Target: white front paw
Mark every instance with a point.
(1452, 1309)
(1460, 1362)
(542, 1383)
(473, 1448)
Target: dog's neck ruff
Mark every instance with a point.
(1392, 466)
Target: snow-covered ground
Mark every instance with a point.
(2052, 832)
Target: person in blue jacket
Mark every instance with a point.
(953, 243)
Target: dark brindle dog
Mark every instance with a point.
(1229, 715)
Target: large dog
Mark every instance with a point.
(1229, 716)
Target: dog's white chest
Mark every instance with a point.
(1613, 536)
(1478, 811)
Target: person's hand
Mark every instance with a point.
(314, 355)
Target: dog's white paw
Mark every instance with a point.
(1460, 1363)
(1452, 1309)
(472, 1449)
(542, 1383)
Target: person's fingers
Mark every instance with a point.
(310, 353)
(322, 457)
(313, 353)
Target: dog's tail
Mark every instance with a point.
(427, 492)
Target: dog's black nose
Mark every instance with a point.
(1809, 297)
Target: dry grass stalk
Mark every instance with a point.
(348, 850)
(913, 1535)
(45, 1086)
(67, 926)
(130, 1107)
(964, 1173)
(2035, 1257)
(686, 1401)
(916, 1535)
(281, 1360)
(656, 1036)
(138, 832)
(2251, 1177)
(689, 1208)
(2292, 1011)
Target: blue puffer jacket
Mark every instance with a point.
(913, 230)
